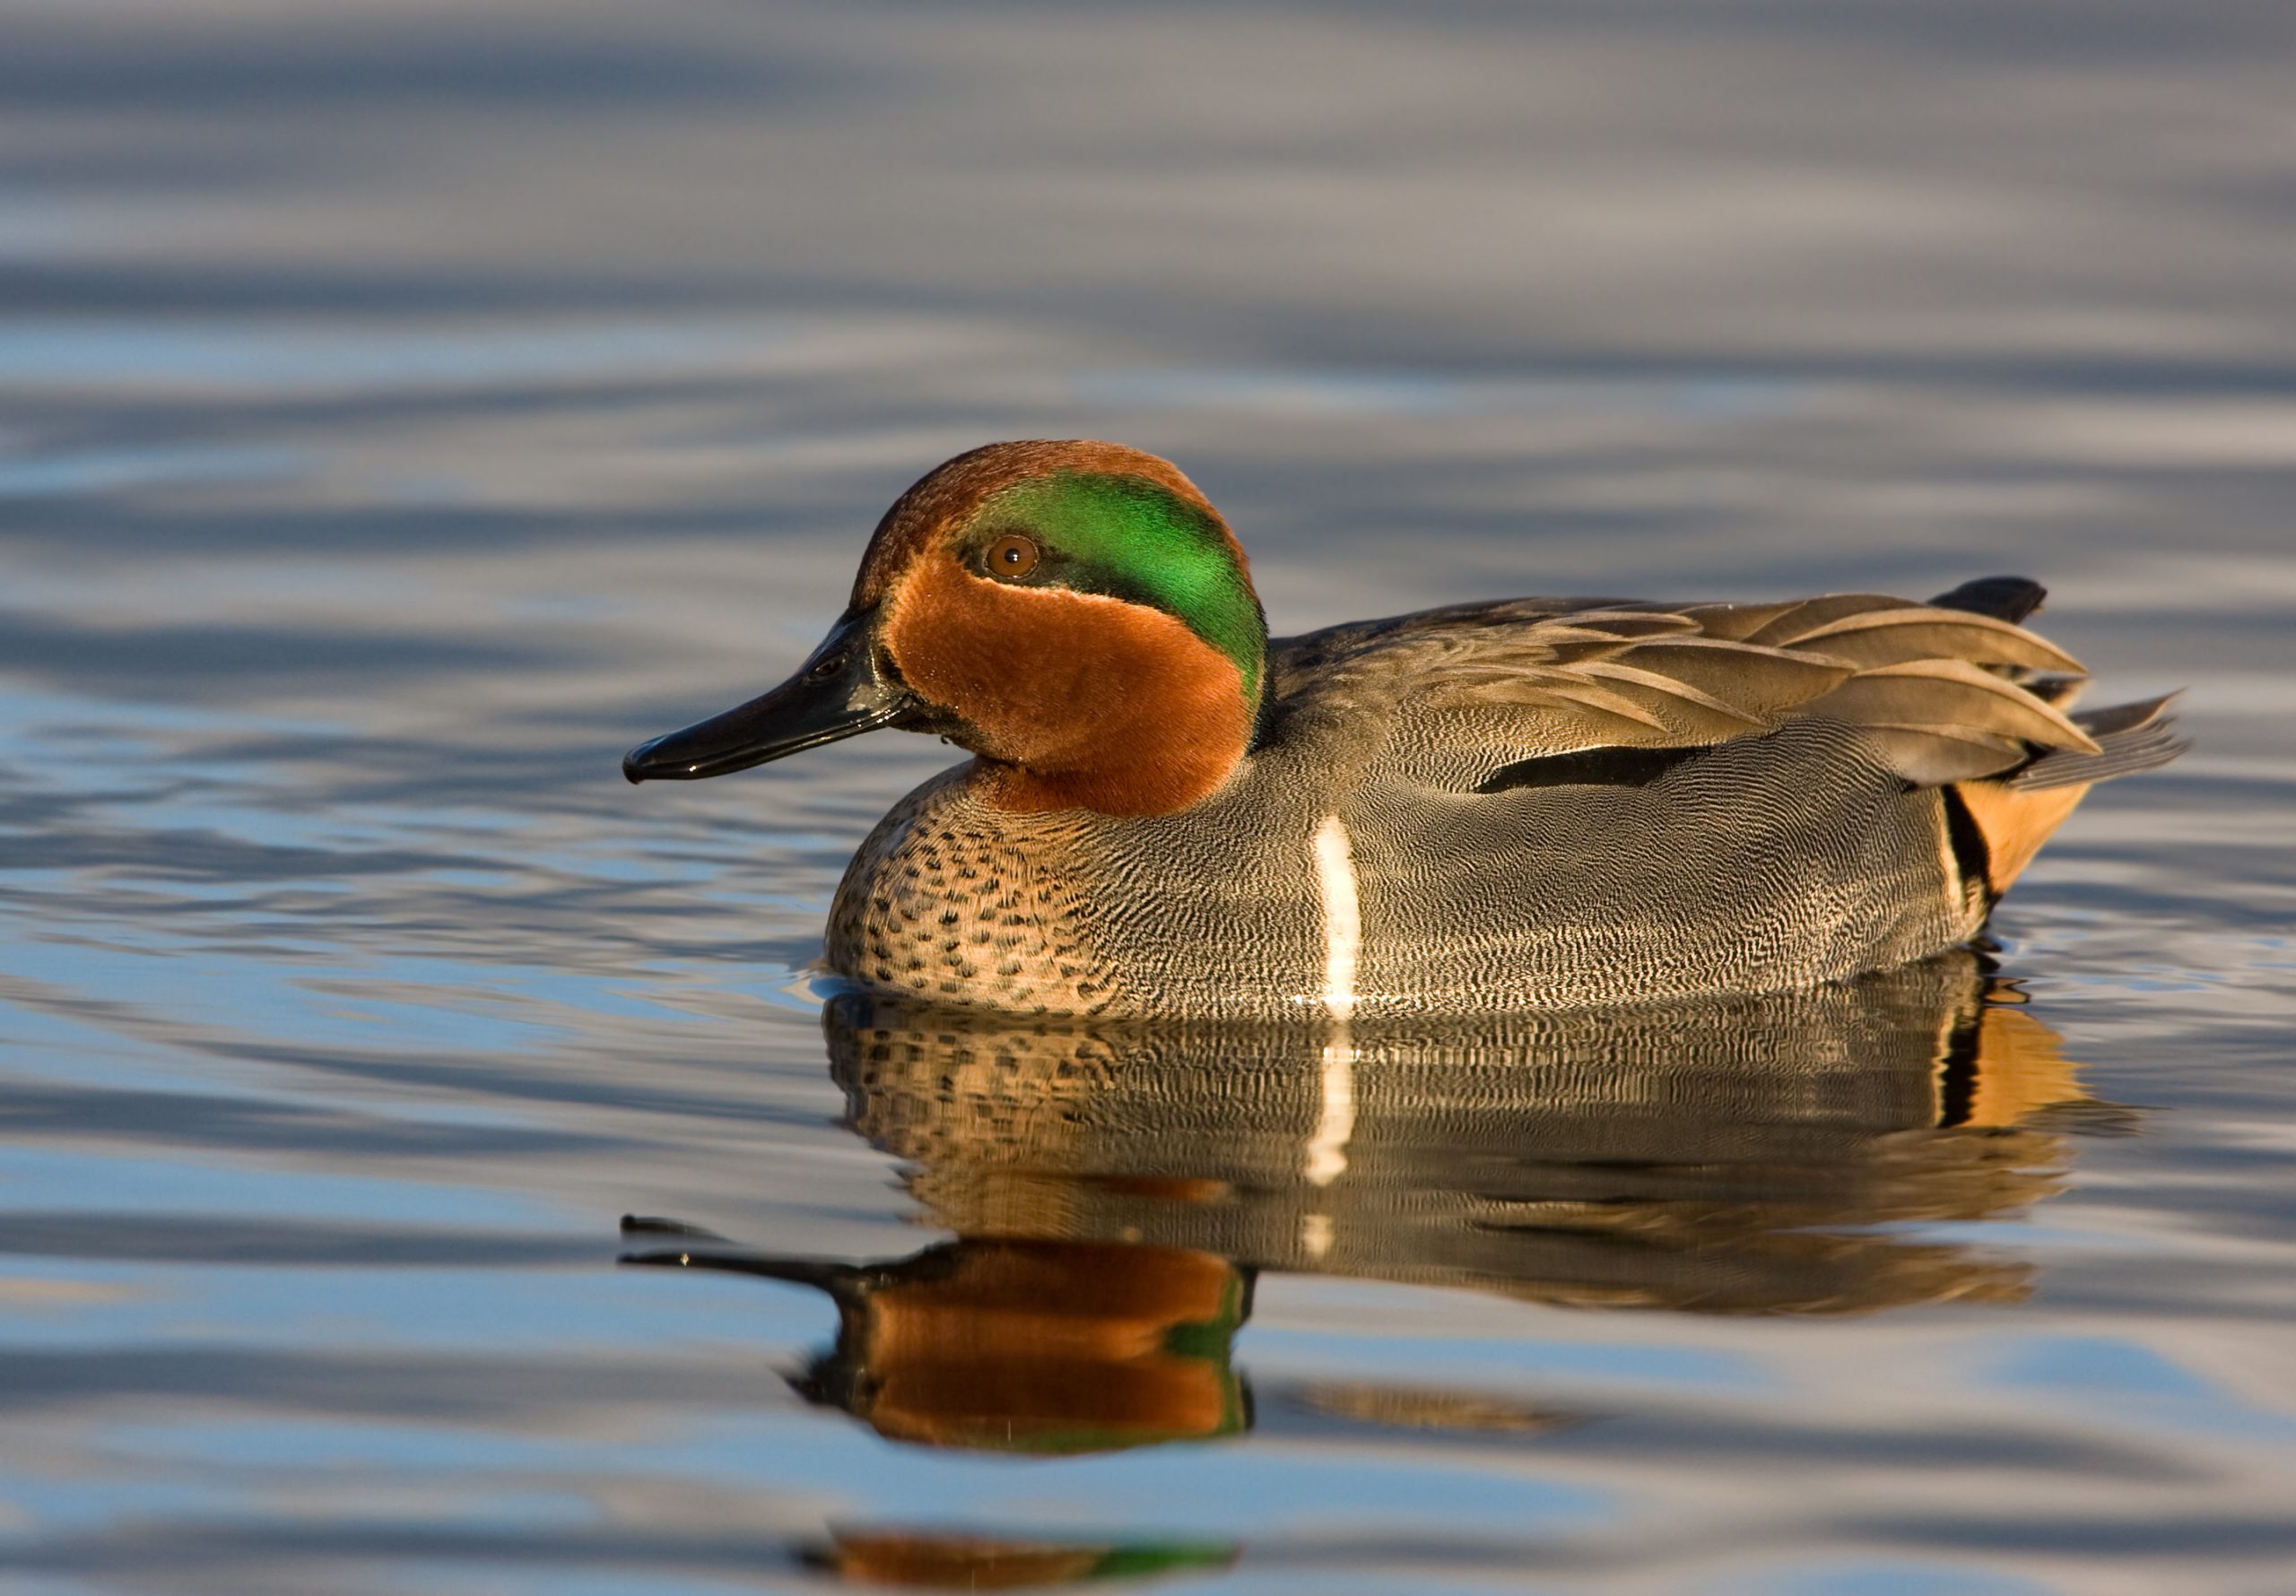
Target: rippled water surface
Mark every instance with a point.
(406, 407)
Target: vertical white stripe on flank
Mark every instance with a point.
(1342, 918)
(1326, 1155)
(1327, 1152)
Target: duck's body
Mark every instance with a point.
(1530, 804)
(1381, 853)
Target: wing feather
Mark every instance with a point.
(1933, 756)
(1918, 632)
(1954, 697)
(1666, 692)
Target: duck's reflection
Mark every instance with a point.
(1114, 1192)
(941, 1561)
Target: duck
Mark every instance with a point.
(1503, 806)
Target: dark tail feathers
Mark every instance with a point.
(2005, 598)
(2129, 737)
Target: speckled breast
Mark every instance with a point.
(1204, 912)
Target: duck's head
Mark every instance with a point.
(1077, 614)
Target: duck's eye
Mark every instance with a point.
(1010, 558)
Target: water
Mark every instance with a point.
(403, 409)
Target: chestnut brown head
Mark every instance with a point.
(1076, 613)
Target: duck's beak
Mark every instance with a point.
(841, 691)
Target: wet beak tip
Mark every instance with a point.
(840, 692)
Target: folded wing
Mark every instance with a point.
(1945, 694)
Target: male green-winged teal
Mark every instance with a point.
(1530, 804)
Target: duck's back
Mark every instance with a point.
(1533, 804)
